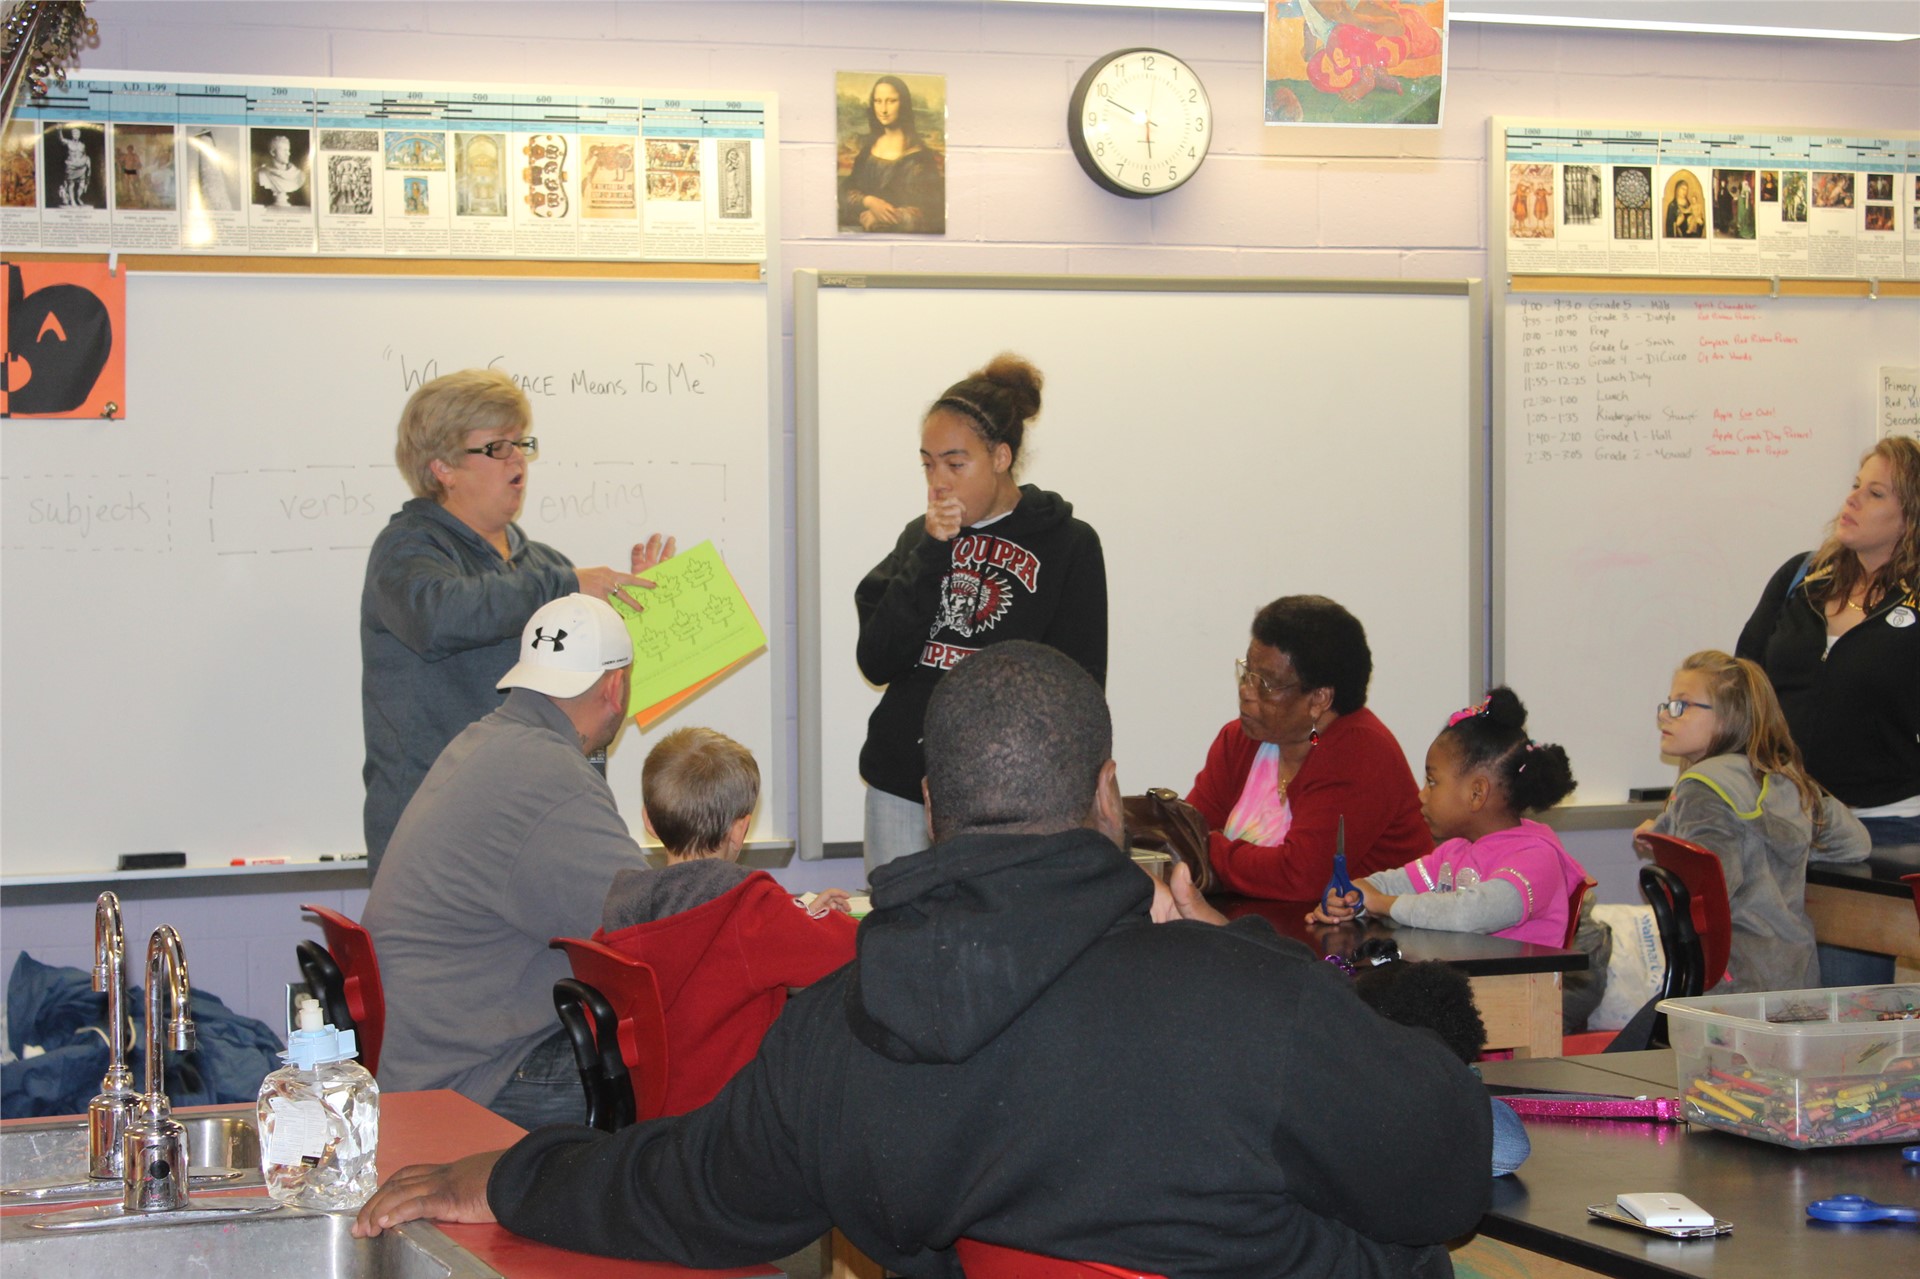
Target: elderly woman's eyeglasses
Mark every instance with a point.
(1266, 689)
(1678, 707)
(501, 450)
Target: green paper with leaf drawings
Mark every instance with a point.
(696, 625)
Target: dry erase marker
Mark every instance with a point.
(258, 861)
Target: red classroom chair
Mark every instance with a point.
(1913, 882)
(1699, 869)
(981, 1260)
(352, 985)
(631, 995)
(1575, 900)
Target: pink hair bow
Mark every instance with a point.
(1469, 712)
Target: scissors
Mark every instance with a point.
(1340, 884)
(1859, 1208)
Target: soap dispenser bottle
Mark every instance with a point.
(319, 1119)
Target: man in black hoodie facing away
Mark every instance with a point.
(1020, 1055)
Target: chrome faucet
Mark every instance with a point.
(109, 1114)
(154, 1149)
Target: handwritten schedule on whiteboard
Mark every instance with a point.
(1620, 381)
(1656, 459)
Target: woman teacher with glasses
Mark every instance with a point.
(452, 580)
(1304, 754)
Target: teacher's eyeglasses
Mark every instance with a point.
(501, 450)
(1267, 690)
(1678, 707)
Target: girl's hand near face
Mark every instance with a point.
(945, 516)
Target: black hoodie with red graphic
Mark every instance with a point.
(1034, 574)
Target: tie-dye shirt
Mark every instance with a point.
(1261, 815)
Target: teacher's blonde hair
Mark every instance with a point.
(434, 425)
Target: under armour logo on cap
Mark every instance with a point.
(567, 645)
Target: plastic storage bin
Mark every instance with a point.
(1802, 1068)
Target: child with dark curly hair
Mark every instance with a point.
(1436, 996)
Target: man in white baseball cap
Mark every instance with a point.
(512, 839)
(568, 645)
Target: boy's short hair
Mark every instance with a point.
(695, 784)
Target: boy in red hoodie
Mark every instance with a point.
(725, 942)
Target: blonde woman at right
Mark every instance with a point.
(1744, 795)
(1838, 632)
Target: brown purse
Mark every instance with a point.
(1161, 822)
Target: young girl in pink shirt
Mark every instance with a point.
(1495, 870)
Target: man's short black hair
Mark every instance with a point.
(1015, 737)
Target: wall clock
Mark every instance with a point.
(1140, 122)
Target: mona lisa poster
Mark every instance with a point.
(892, 176)
(65, 354)
(1355, 62)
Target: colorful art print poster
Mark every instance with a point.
(673, 171)
(1733, 204)
(734, 162)
(1530, 201)
(1833, 190)
(1363, 62)
(419, 152)
(478, 191)
(65, 355)
(350, 185)
(607, 180)
(1686, 207)
(143, 169)
(1632, 202)
(1769, 186)
(891, 162)
(667, 154)
(73, 166)
(1879, 217)
(1879, 186)
(349, 139)
(415, 201)
(545, 175)
(1793, 196)
(282, 174)
(19, 169)
(210, 169)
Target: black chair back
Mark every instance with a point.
(593, 1029)
(1673, 918)
(325, 982)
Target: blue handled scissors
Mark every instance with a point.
(1859, 1208)
(1340, 884)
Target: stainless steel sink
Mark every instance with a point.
(313, 1245)
(45, 1163)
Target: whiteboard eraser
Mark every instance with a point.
(152, 861)
(1665, 1209)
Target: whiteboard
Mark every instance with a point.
(1656, 459)
(182, 589)
(1231, 441)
